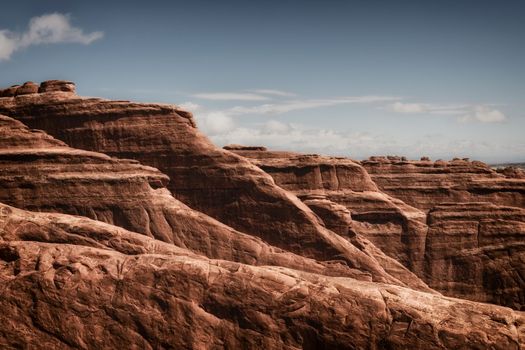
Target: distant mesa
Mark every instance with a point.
(234, 147)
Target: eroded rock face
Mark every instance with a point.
(112, 288)
(424, 184)
(57, 86)
(298, 269)
(395, 227)
(32, 88)
(512, 172)
(442, 249)
(41, 173)
(477, 251)
(217, 182)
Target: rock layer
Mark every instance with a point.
(424, 184)
(214, 181)
(395, 227)
(470, 250)
(477, 251)
(302, 263)
(41, 173)
(77, 296)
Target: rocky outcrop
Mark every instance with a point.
(395, 227)
(443, 249)
(108, 288)
(512, 172)
(424, 184)
(216, 182)
(32, 88)
(286, 258)
(477, 251)
(41, 173)
(57, 86)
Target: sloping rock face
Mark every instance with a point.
(477, 251)
(70, 282)
(424, 184)
(38, 172)
(217, 182)
(395, 227)
(472, 250)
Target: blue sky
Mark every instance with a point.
(352, 78)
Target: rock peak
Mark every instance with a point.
(30, 87)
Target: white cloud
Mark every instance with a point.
(226, 127)
(275, 126)
(294, 137)
(484, 114)
(230, 96)
(190, 106)
(215, 123)
(7, 44)
(466, 113)
(361, 145)
(52, 28)
(278, 93)
(294, 105)
(401, 107)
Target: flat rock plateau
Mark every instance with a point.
(123, 226)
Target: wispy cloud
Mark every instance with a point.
(278, 93)
(228, 126)
(279, 135)
(248, 95)
(190, 106)
(224, 123)
(230, 96)
(52, 28)
(484, 114)
(294, 105)
(402, 107)
(465, 112)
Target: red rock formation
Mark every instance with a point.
(244, 148)
(110, 288)
(448, 255)
(41, 173)
(477, 251)
(71, 282)
(26, 89)
(396, 228)
(424, 184)
(512, 172)
(217, 182)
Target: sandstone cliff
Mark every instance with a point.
(216, 182)
(425, 183)
(397, 228)
(174, 243)
(103, 287)
(472, 250)
(40, 173)
(477, 251)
